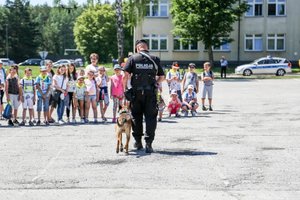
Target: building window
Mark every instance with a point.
(255, 8)
(276, 7)
(185, 45)
(158, 8)
(253, 42)
(223, 47)
(156, 42)
(276, 42)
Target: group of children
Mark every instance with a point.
(67, 90)
(183, 91)
(70, 91)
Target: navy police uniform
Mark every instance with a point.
(143, 80)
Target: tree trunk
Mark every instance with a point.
(211, 56)
(120, 31)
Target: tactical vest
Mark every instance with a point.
(144, 73)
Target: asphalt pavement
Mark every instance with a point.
(246, 149)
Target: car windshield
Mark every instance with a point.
(255, 61)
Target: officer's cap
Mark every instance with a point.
(140, 42)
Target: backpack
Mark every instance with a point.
(210, 73)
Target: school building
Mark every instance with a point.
(269, 27)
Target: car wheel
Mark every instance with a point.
(247, 72)
(280, 72)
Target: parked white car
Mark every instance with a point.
(5, 61)
(266, 65)
(62, 62)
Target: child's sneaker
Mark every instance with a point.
(34, 121)
(38, 123)
(73, 121)
(82, 121)
(186, 113)
(22, 123)
(193, 113)
(51, 120)
(204, 108)
(177, 115)
(210, 108)
(16, 122)
(95, 121)
(61, 122)
(31, 123)
(86, 121)
(46, 123)
(159, 119)
(10, 122)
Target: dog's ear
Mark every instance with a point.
(128, 117)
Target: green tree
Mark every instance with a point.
(22, 30)
(56, 26)
(95, 31)
(3, 29)
(209, 21)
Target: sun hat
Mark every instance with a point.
(192, 65)
(43, 68)
(175, 64)
(79, 77)
(174, 92)
(117, 66)
(190, 87)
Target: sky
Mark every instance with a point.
(50, 2)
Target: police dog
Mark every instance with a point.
(124, 124)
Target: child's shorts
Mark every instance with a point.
(207, 90)
(43, 103)
(195, 104)
(173, 108)
(14, 101)
(28, 101)
(103, 95)
(92, 97)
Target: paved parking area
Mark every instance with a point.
(247, 148)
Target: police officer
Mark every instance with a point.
(145, 73)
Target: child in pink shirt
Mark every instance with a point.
(116, 90)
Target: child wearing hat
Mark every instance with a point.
(116, 90)
(79, 95)
(190, 78)
(174, 104)
(43, 85)
(190, 101)
(173, 79)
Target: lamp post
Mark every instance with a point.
(6, 39)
